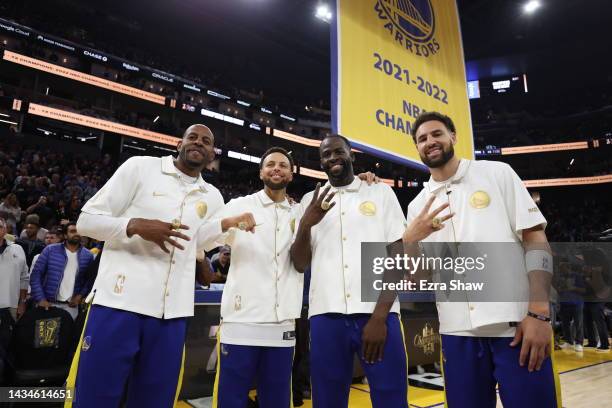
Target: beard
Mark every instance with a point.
(74, 240)
(347, 168)
(446, 155)
(194, 164)
(275, 186)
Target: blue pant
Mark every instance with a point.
(473, 366)
(120, 348)
(334, 340)
(240, 367)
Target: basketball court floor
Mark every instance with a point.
(586, 382)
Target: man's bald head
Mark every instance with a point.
(198, 128)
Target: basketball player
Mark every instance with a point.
(329, 239)
(154, 214)
(480, 346)
(262, 296)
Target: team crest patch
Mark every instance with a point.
(367, 208)
(201, 209)
(480, 199)
(86, 343)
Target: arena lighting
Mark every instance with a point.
(323, 13)
(8, 121)
(531, 6)
(156, 119)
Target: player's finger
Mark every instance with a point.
(447, 217)
(329, 198)
(428, 204)
(439, 209)
(524, 355)
(163, 247)
(366, 351)
(174, 243)
(179, 235)
(541, 358)
(518, 336)
(315, 196)
(323, 194)
(331, 206)
(381, 351)
(534, 354)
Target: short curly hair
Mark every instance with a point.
(429, 116)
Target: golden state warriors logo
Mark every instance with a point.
(411, 23)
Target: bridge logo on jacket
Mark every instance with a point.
(411, 24)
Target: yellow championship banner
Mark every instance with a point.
(391, 60)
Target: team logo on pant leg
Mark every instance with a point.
(86, 343)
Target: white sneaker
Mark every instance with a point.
(564, 345)
(603, 350)
(578, 348)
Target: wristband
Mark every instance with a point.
(539, 317)
(539, 260)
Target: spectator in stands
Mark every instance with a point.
(572, 288)
(221, 265)
(14, 276)
(42, 209)
(10, 210)
(53, 237)
(58, 278)
(29, 240)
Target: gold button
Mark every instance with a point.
(278, 229)
(277, 255)
(344, 238)
(173, 262)
(471, 307)
(346, 266)
(342, 213)
(167, 293)
(348, 295)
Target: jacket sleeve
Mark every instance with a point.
(83, 284)
(38, 275)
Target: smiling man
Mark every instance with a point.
(154, 215)
(262, 296)
(493, 343)
(329, 239)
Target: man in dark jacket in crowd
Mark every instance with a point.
(58, 277)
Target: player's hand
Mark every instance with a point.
(44, 304)
(159, 232)
(75, 300)
(314, 213)
(535, 336)
(423, 225)
(369, 177)
(244, 222)
(373, 339)
(21, 308)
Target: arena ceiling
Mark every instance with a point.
(279, 46)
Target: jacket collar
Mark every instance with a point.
(167, 167)
(433, 186)
(266, 200)
(353, 187)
